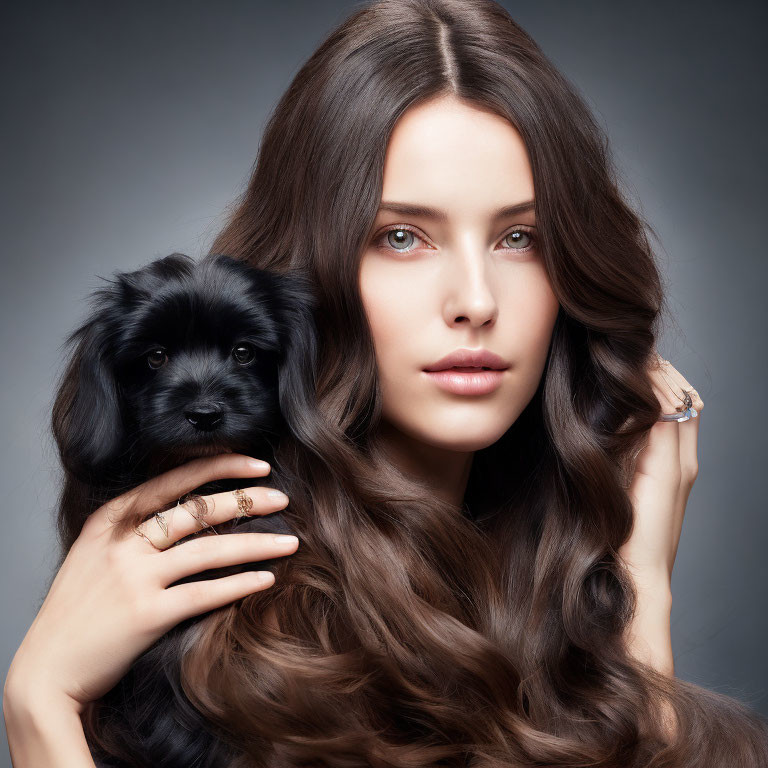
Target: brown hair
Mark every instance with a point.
(414, 633)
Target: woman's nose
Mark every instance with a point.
(469, 296)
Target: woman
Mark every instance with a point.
(483, 573)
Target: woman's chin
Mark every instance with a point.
(459, 437)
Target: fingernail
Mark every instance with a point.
(282, 539)
(277, 496)
(258, 464)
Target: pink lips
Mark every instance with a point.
(462, 371)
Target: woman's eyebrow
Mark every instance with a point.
(412, 209)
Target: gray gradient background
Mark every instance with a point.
(129, 127)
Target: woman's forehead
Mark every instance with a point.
(453, 157)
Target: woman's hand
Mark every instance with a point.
(109, 602)
(664, 474)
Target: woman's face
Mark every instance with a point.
(465, 276)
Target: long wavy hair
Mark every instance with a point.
(412, 632)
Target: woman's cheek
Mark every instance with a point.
(394, 299)
(533, 307)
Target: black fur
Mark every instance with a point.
(235, 350)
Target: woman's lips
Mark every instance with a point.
(466, 381)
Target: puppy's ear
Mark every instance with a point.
(87, 419)
(297, 369)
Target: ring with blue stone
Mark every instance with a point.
(687, 412)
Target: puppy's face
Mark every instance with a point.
(193, 356)
(197, 366)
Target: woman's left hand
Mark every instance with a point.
(665, 471)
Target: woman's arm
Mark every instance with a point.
(43, 731)
(663, 477)
(649, 634)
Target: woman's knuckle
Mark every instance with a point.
(197, 592)
(260, 539)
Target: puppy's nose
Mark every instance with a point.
(203, 417)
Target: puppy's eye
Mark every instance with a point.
(243, 353)
(156, 358)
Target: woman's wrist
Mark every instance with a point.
(44, 731)
(649, 633)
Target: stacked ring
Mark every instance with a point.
(194, 504)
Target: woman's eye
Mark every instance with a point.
(244, 353)
(399, 236)
(156, 358)
(517, 236)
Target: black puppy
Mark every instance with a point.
(177, 360)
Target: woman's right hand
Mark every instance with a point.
(109, 602)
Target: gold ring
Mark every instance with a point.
(244, 503)
(200, 509)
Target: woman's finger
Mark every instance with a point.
(173, 484)
(676, 384)
(660, 457)
(196, 597)
(689, 439)
(208, 552)
(204, 511)
(689, 433)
